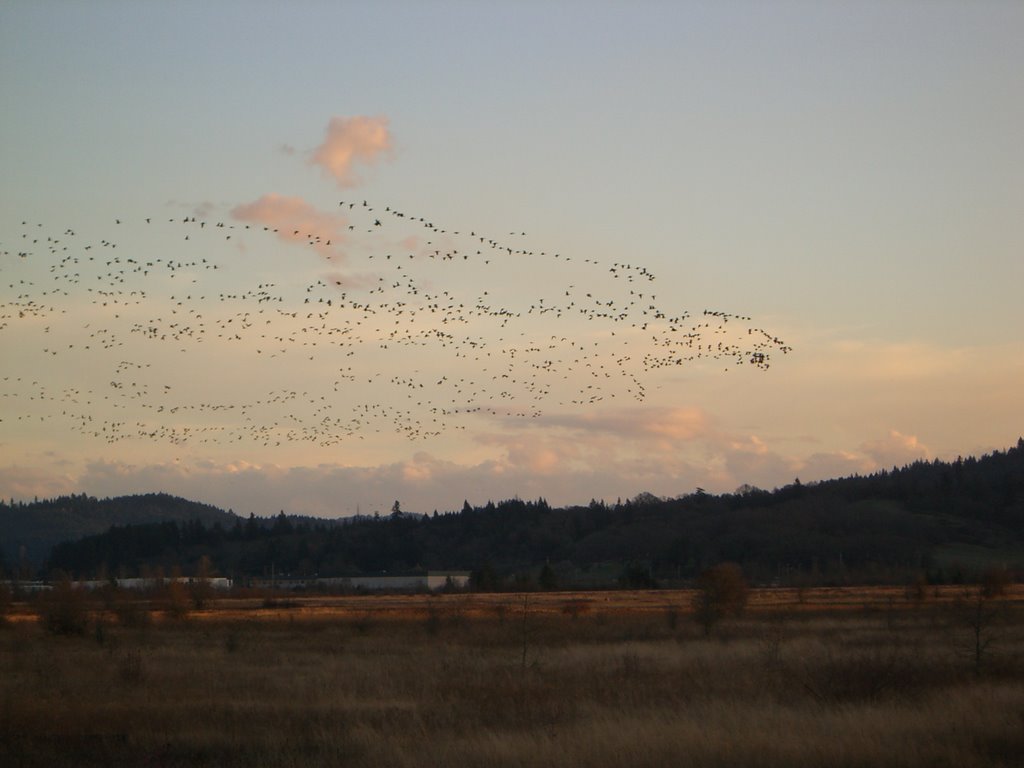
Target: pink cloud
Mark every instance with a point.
(295, 220)
(828, 465)
(895, 450)
(545, 457)
(24, 482)
(666, 425)
(351, 140)
(751, 460)
(678, 424)
(627, 448)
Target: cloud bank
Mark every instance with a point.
(558, 465)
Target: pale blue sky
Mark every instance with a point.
(849, 174)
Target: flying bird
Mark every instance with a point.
(176, 340)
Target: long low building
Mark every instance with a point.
(217, 582)
(432, 581)
(429, 581)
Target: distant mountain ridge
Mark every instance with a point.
(30, 529)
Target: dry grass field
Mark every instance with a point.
(853, 677)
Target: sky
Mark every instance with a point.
(319, 257)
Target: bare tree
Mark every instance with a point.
(980, 614)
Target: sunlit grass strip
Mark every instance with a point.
(472, 680)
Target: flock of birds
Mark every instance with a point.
(190, 330)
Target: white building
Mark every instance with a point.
(432, 581)
(217, 582)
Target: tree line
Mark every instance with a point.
(946, 521)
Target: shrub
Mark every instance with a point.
(917, 590)
(200, 588)
(131, 611)
(637, 576)
(721, 590)
(5, 603)
(175, 599)
(547, 579)
(63, 610)
(995, 582)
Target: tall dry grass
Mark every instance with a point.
(451, 686)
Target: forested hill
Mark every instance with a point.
(30, 530)
(945, 520)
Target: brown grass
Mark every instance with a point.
(861, 678)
